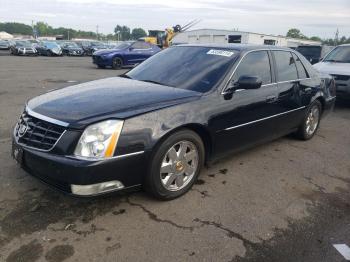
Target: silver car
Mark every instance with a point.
(337, 64)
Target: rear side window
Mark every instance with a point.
(140, 45)
(285, 64)
(256, 63)
(302, 73)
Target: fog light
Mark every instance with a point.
(94, 189)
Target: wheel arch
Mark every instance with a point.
(199, 129)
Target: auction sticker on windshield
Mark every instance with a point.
(220, 52)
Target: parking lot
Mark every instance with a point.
(287, 200)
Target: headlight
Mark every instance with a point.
(99, 141)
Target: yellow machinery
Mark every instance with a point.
(163, 38)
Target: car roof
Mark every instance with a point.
(345, 45)
(240, 47)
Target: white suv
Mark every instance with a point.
(337, 64)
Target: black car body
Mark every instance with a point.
(224, 97)
(48, 48)
(23, 48)
(71, 49)
(93, 46)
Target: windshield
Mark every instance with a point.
(23, 44)
(340, 54)
(193, 68)
(71, 45)
(311, 51)
(51, 44)
(97, 44)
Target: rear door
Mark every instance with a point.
(247, 118)
(290, 91)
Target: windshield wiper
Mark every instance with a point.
(333, 60)
(152, 81)
(125, 76)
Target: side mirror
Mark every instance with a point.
(131, 48)
(248, 82)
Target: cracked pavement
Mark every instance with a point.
(286, 200)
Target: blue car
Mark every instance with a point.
(126, 54)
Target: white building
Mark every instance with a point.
(202, 36)
(4, 35)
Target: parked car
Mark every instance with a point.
(314, 53)
(49, 49)
(159, 123)
(23, 48)
(91, 47)
(71, 49)
(337, 64)
(126, 54)
(4, 45)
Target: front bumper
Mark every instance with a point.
(101, 61)
(342, 83)
(66, 173)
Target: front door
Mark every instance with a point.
(248, 115)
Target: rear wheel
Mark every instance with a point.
(175, 165)
(311, 121)
(117, 63)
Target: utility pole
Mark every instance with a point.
(336, 38)
(97, 32)
(68, 34)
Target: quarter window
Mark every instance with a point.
(256, 63)
(302, 73)
(140, 45)
(285, 64)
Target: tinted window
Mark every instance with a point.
(194, 68)
(286, 69)
(310, 51)
(235, 39)
(255, 64)
(140, 45)
(302, 73)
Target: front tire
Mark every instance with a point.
(311, 121)
(117, 63)
(175, 165)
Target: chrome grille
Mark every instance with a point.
(341, 77)
(37, 133)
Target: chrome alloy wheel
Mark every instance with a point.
(312, 120)
(179, 165)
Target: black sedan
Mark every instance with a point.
(157, 125)
(23, 48)
(48, 48)
(71, 49)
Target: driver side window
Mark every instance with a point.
(256, 63)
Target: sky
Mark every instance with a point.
(312, 17)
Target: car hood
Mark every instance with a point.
(114, 97)
(333, 68)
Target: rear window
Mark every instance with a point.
(302, 73)
(286, 69)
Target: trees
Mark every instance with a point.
(295, 33)
(122, 32)
(16, 28)
(138, 33)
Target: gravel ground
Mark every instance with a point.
(286, 200)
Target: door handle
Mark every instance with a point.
(271, 99)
